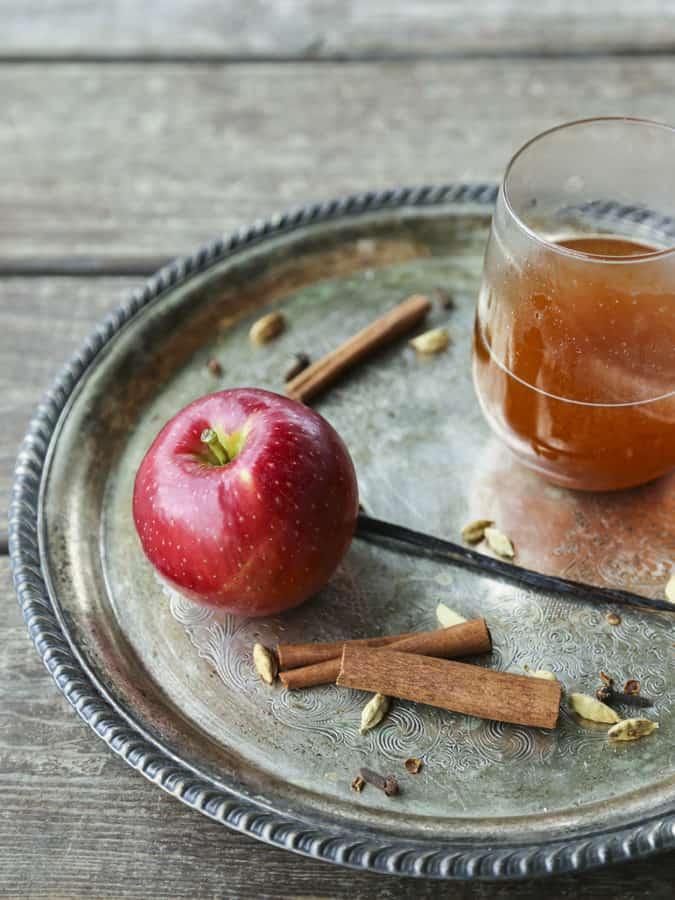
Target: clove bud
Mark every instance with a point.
(386, 783)
(446, 300)
(607, 694)
(299, 363)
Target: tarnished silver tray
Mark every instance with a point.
(171, 686)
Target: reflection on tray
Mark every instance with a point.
(621, 539)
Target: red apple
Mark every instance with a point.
(246, 501)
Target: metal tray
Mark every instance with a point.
(170, 686)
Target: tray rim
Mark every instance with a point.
(113, 726)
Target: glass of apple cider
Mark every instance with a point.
(574, 344)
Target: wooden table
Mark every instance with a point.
(131, 132)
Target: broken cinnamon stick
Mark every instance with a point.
(459, 687)
(466, 639)
(380, 332)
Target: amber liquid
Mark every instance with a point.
(574, 363)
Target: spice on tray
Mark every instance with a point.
(631, 729)
(499, 543)
(607, 693)
(300, 362)
(542, 673)
(466, 639)
(413, 765)
(214, 367)
(265, 663)
(267, 328)
(592, 709)
(614, 618)
(448, 617)
(473, 532)
(445, 300)
(472, 690)
(431, 341)
(386, 783)
(358, 784)
(293, 656)
(382, 331)
(670, 589)
(373, 712)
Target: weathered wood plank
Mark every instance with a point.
(203, 148)
(76, 822)
(55, 777)
(43, 323)
(319, 28)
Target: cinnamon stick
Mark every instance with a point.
(325, 672)
(292, 656)
(466, 639)
(459, 687)
(380, 332)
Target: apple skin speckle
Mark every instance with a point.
(255, 551)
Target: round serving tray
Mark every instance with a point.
(170, 687)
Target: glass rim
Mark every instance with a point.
(567, 251)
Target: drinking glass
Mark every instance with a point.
(574, 342)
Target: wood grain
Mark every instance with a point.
(76, 822)
(205, 148)
(43, 322)
(115, 167)
(320, 28)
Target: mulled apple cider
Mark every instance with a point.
(574, 343)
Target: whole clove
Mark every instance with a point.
(630, 694)
(299, 363)
(386, 783)
(445, 300)
(608, 694)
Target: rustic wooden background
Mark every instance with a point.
(131, 132)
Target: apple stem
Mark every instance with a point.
(210, 438)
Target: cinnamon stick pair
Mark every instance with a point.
(405, 666)
(320, 663)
